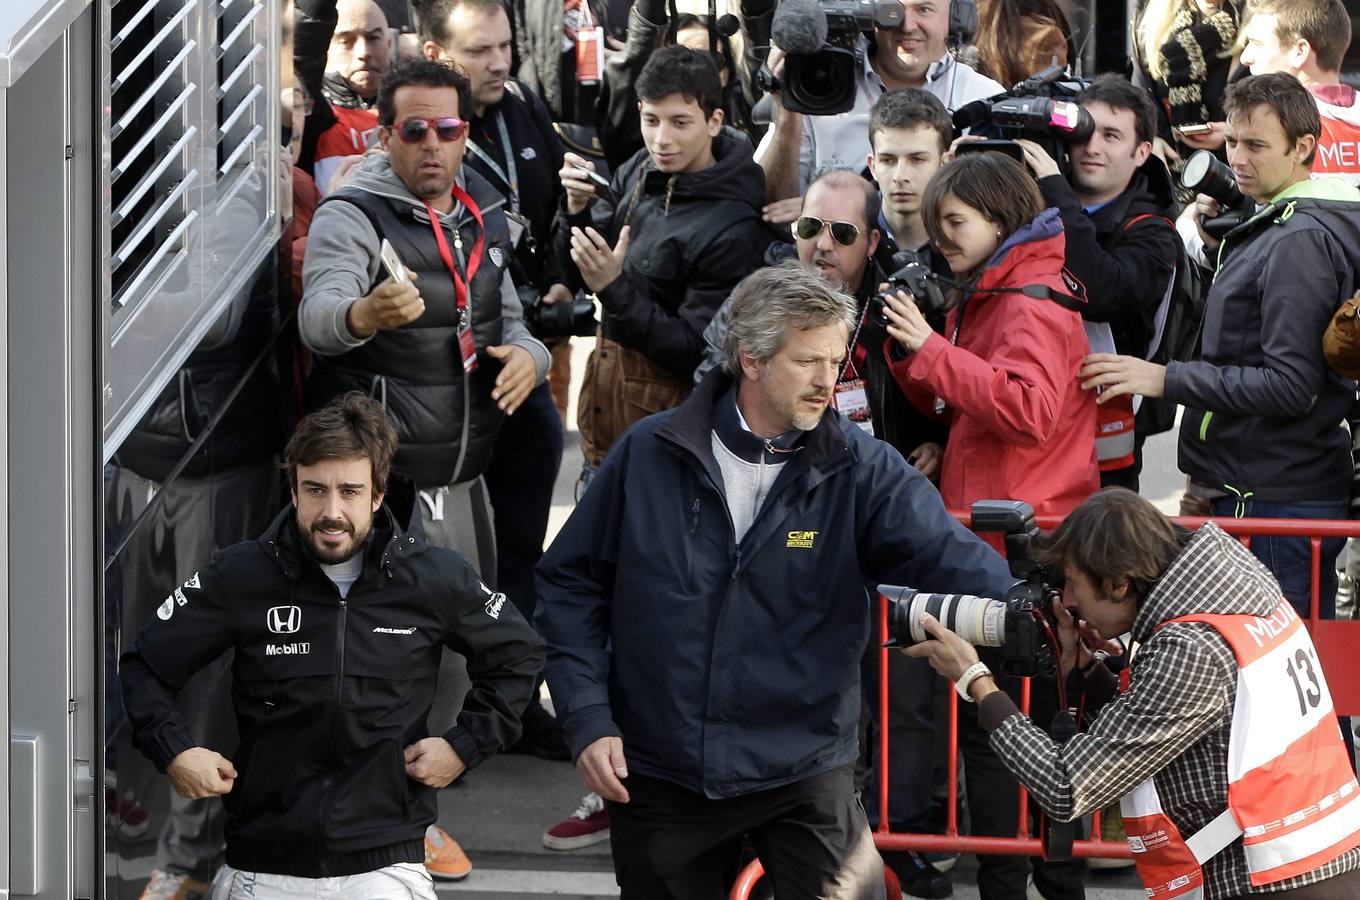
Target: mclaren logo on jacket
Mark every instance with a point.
(167, 609)
(494, 601)
(284, 619)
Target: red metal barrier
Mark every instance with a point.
(1336, 643)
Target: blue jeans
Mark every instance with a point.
(1290, 559)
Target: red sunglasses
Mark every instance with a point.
(413, 130)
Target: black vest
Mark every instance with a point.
(446, 424)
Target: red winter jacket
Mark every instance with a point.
(1021, 427)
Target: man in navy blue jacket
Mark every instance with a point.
(707, 605)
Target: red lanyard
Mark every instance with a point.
(474, 262)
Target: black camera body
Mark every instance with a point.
(570, 318)
(1020, 625)
(916, 279)
(1043, 108)
(823, 83)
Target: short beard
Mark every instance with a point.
(331, 557)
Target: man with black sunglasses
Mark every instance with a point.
(438, 336)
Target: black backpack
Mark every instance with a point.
(1178, 340)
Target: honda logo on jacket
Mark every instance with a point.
(284, 619)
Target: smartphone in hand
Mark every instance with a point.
(392, 263)
(602, 188)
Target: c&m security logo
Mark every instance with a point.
(802, 540)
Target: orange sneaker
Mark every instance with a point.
(444, 859)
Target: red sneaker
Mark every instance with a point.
(588, 825)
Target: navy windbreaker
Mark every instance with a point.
(728, 668)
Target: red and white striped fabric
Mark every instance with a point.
(1291, 791)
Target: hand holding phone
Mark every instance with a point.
(392, 263)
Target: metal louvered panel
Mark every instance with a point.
(189, 176)
(152, 95)
(241, 99)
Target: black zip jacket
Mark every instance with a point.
(733, 667)
(328, 692)
(1125, 264)
(694, 236)
(538, 158)
(1263, 410)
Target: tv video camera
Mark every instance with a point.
(823, 57)
(1022, 624)
(1043, 108)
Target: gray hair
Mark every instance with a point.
(772, 299)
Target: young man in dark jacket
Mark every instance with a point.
(1262, 433)
(707, 605)
(1117, 207)
(337, 616)
(681, 229)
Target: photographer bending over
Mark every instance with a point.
(1227, 727)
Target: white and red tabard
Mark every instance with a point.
(1291, 792)
(1338, 151)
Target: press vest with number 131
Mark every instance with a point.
(1292, 795)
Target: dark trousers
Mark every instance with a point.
(812, 838)
(520, 481)
(993, 806)
(914, 695)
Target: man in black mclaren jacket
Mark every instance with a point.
(337, 615)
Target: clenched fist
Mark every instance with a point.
(199, 772)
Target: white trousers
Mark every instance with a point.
(402, 881)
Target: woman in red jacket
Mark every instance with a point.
(1004, 372)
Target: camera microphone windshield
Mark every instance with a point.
(799, 26)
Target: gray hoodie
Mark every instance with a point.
(342, 262)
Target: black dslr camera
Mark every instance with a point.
(1043, 108)
(570, 318)
(1022, 625)
(918, 280)
(823, 83)
(1204, 173)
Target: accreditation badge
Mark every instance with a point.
(852, 401)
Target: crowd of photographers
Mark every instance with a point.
(1035, 292)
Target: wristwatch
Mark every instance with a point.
(970, 674)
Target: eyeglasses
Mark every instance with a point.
(413, 130)
(808, 227)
